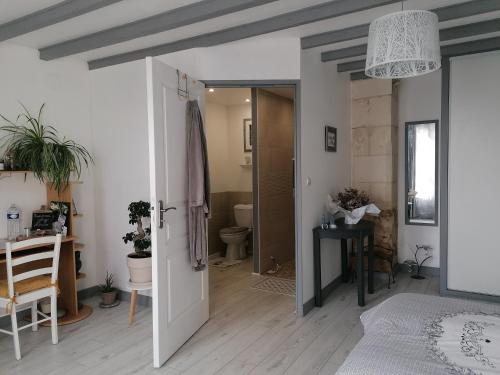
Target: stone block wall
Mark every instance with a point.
(374, 137)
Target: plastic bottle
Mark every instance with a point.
(13, 222)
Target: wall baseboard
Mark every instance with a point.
(142, 300)
(309, 305)
(123, 295)
(425, 270)
(85, 294)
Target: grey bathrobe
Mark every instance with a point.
(198, 186)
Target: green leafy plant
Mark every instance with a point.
(141, 237)
(37, 147)
(107, 287)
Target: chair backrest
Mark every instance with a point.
(27, 244)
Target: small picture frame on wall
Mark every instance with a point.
(247, 135)
(330, 139)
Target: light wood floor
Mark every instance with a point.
(250, 332)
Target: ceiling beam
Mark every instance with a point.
(351, 66)
(172, 19)
(59, 12)
(447, 13)
(299, 17)
(451, 33)
(459, 49)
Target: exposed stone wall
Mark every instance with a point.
(374, 137)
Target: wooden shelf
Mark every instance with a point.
(78, 215)
(78, 246)
(81, 275)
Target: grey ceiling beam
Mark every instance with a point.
(344, 53)
(172, 19)
(447, 13)
(299, 17)
(468, 48)
(451, 33)
(459, 49)
(351, 66)
(49, 16)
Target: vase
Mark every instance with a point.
(139, 268)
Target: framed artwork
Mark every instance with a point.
(330, 139)
(247, 135)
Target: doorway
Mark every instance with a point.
(251, 137)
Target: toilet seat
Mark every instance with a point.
(233, 230)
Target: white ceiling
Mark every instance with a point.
(131, 10)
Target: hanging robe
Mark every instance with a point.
(198, 186)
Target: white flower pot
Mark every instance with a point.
(140, 269)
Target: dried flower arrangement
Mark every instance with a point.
(352, 198)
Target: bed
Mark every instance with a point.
(427, 335)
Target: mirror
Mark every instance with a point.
(421, 172)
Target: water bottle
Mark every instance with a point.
(13, 222)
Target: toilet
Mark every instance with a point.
(236, 237)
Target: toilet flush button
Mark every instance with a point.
(308, 181)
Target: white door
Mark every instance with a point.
(180, 295)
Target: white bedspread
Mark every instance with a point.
(427, 335)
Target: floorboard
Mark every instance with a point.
(249, 332)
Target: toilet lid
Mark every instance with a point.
(233, 230)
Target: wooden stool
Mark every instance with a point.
(135, 287)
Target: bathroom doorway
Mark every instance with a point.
(252, 229)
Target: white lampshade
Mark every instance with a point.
(403, 44)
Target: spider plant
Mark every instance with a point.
(37, 147)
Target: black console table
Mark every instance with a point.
(343, 232)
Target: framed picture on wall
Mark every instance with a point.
(330, 139)
(247, 135)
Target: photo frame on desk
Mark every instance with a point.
(42, 220)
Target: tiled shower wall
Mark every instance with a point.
(374, 121)
(223, 216)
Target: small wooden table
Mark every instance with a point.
(343, 232)
(133, 298)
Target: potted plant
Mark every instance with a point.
(37, 147)
(354, 204)
(108, 291)
(139, 262)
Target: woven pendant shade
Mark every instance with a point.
(403, 44)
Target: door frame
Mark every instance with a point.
(299, 307)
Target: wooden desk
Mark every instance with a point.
(67, 278)
(343, 232)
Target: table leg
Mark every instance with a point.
(318, 301)
(345, 268)
(131, 310)
(361, 271)
(371, 256)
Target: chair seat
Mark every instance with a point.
(26, 286)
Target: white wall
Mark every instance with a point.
(240, 177)
(120, 138)
(250, 59)
(65, 88)
(224, 126)
(325, 99)
(216, 126)
(419, 99)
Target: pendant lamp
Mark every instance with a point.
(403, 44)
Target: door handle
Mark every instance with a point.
(162, 211)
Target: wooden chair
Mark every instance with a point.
(383, 262)
(23, 289)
